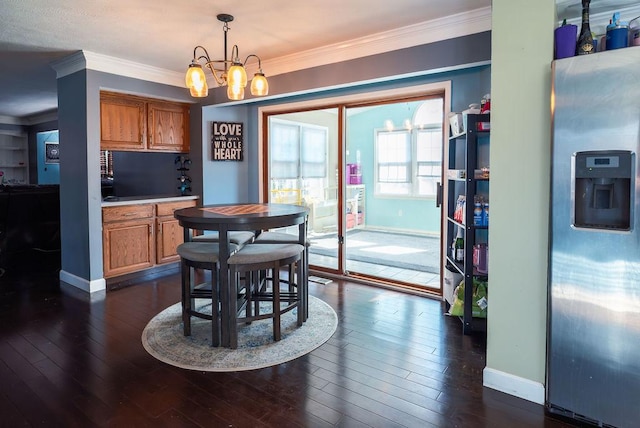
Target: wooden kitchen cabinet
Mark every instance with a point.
(128, 239)
(140, 236)
(132, 123)
(169, 233)
(168, 127)
(122, 122)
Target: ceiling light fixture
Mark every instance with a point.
(232, 73)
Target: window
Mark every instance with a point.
(394, 152)
(298, 157)
(409, 160)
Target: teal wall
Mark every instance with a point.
(408, 214)
(48, 173)
(405, 213)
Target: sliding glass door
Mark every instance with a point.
(369, 175)
(393, 164)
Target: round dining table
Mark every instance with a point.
(223, 218)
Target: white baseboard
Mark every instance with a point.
(83, 284)
(513, 385)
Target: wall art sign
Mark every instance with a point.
(227, 141)
(51, 153)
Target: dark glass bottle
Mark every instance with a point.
(585, 41)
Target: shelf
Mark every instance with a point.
(460, 175)
(456, 265)
(468, 177)
(479, 134)
(12, 166)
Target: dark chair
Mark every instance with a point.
(201, 255)
(273, 237)
(261, 265)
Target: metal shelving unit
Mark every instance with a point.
(468, 155)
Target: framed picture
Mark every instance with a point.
(227, 141)
(51, 153)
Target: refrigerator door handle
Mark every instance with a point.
(438, 194)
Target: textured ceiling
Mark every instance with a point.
(163, 33)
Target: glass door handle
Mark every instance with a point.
(438, 194)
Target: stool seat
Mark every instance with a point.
(256, 254)
(235, 237)
(202, 252)
(271, 237)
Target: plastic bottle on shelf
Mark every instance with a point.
(486, 104)
(485, 214)
(485, 109)
(477, 214)
(453, 249)
(459, 246)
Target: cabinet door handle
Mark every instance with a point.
(438, 194)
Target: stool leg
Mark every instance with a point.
(257, 283)
(186, 297)
(215, 310)
(233, 308)
(248, 293)
(276, 301)
(304, 286)
(299, 293)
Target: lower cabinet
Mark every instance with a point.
(137, 237)
(169, 233)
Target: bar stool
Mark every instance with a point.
(272, 237)
(253, 260)
(200, 255)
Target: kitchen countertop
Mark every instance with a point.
(151, 199)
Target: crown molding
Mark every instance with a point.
(462, 24)
(93, 61)
(449, 27)
(30, 120)
(10, 120)
(47, 116)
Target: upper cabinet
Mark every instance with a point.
(131, 123)
(168, 126)
(122, 122)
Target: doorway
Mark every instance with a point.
(368, 170)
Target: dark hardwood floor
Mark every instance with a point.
(70, 360)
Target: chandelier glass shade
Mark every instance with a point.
(231, 73)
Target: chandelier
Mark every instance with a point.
(226, 72)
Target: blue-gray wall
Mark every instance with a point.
(80, 185)
(227, 181)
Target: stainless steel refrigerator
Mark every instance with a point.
(593, 349)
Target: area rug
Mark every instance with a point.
(163, 338)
